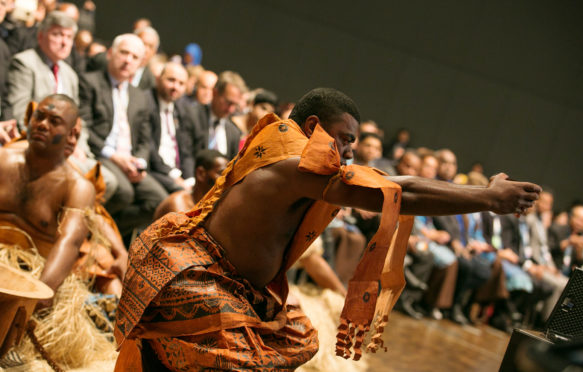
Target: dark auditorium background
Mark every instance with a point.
(495, 81)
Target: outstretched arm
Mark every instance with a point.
(422, 196)
(428, 197)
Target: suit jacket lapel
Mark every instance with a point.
(107, 97)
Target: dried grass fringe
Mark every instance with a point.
(66, 331)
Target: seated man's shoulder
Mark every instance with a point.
(93, 77)
(179, 201)
(77, 183)
(10, 158)
(26, 56)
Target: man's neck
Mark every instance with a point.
(40, 164)
(164, 102)
(45, 58)
(197, 193)
(114, 79)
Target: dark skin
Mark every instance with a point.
(255, 238)
(37, 184)
(118, 250)
(184, 200)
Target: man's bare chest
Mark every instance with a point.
(38, 201)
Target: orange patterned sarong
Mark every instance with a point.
(210, 317)
(185, 301)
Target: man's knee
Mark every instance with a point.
(151, 194)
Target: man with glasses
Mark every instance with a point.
(219, 131)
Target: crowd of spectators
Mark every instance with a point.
(147, 116)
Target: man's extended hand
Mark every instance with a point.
(129, 165)
(8, 131)
(511, 196)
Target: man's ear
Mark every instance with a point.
(310, 124)
(29, 111)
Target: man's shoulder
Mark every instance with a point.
(75, 180)
(560, 230)
(233, 127)
(137, 93)
(94, 78)
(10, 155)
(28, 55)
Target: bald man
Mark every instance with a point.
(176, 139)
(204, 87)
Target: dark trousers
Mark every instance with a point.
(133, 204)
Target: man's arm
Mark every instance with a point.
(70, 235)
(422, 196)
(432, 197)
(427, 197)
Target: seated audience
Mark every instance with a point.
(538, 261)
(473, 270)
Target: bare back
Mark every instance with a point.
(256, 219)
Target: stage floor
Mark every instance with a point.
(439, 345)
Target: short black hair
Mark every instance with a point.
(326, 103)
(65, 98)
(206, 158)
(365, 135)
(265, 96)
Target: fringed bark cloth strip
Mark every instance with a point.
(153, 266)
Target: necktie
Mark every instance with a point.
(169, 126)
(56, 75)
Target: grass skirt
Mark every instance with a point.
(65, 330)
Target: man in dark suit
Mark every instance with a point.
(117, 118)
(219, 131)
(175, 138)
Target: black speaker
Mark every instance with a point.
(566, 321)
